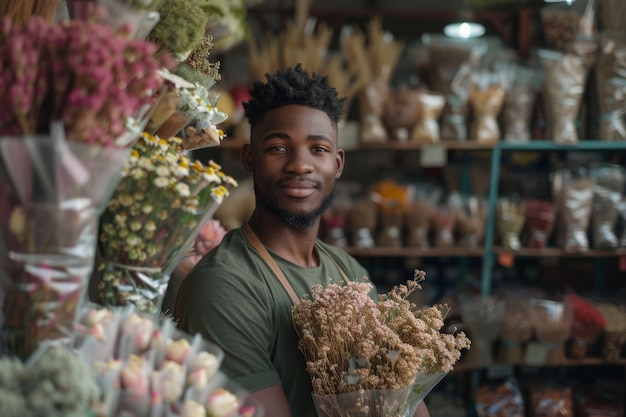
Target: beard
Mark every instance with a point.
(295, 221)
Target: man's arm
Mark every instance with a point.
(422, 410)
(274, 401)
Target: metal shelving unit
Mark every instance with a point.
(490, 251)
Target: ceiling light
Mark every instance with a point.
(464, 30)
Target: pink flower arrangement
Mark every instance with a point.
(85, 74)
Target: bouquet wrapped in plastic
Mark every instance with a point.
(373, 358)
(76, 98)
(155, 214)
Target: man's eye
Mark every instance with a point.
(277, 148)
(319, 149)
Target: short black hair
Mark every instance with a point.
(293, 86)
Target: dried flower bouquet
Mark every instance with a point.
(373, 358)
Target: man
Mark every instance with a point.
(235, 296)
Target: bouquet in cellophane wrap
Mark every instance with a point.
(373, 358)
(153, 217)
(75, 98)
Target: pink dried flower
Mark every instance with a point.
(352, 342)
(85, 74)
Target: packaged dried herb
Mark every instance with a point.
(563, 88)
(587, 324)
(609, 181)
(566, 22)
(391, 200)
(610, 72)
(552, 323)
(470, 216)
(615, 332)
(486, 96)
(371, 108)
(450, 63)
(520, 85)
(499, 400)
(443, 227)
(362, 223)
(483, 317)
(540, 215)
(400, 113)
(551, 401)
(419, 214)
(429, 108)
(573, 196)
(517, 330)
(510, 218)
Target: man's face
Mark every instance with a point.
(295, 161)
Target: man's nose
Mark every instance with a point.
(300, 161)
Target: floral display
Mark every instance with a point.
(373, 358)
(148, 369)
(77, 94)
(152, 219)
(55, 383)
(96, 81)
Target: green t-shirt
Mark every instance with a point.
(233, 299)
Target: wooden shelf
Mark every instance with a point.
(415, 252)
(560, 253)
(465, 367)
(467, 145)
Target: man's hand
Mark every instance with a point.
(274, 401)
(422, 410)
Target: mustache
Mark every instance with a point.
(299, 178)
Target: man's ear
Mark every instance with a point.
(246, 157)
(341, 158)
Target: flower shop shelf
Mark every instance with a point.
(468, 145)
(490, 253)
(467, 367)
(560, 253)
(415, 252)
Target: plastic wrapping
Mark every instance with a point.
(154, 216)
(608, 185)
(587, 325)
(429, 108)
(377, 403)
(519, 100)
(552, 322)
(573, 196)
(486, 96)
(610, 73)
(615, 332)
(563, 88)
(517, 330)
(499, 400)
(483, 316)
(392, 200)
(451, 61)
(510, 217)
(551, 401)
(419, 215)
(50, 195)
(371, 108)
(564, 23)
(540, 219)
(362, 223)
(401, 113)
(470, 216)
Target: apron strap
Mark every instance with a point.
(260, 248)
(254, 240)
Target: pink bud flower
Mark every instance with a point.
(193, 409)
(222, 403)
(177, 350)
